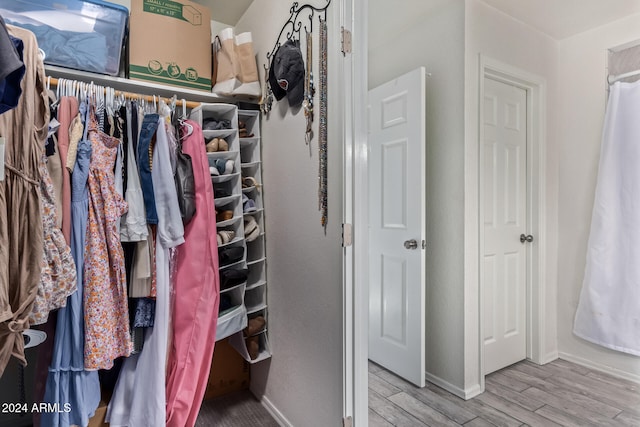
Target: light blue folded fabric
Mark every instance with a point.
(83, 51)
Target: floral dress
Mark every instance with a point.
(106, 315)
(58, 276)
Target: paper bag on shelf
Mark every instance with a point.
(235, 71)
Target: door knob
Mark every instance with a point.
(526, 238)
(411, 244)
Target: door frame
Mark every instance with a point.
(535, 87)
(354, 17)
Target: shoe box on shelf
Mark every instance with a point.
(232, 138)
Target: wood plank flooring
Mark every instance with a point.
(237, 409)
(559, 393)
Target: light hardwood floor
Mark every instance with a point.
(559, 393)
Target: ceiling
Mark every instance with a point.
(564, 18)
(557, 18)
(226, 11)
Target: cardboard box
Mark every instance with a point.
(98, 418)
(170, 43)
(229, 371)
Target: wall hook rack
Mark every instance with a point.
(293, 26)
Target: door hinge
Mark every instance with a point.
(424, 244)
(347, 235)
(345, 40)
(347, 422)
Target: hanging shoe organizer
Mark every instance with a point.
(239, 209)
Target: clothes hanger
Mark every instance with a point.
(183, 122)
(107, 104)
(101, 98)
(91, 95)
(83, 89)
(109, 101)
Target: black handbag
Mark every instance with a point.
(185, 185)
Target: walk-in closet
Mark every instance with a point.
(170, 200)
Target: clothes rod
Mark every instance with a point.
(612, 79)
(52, 81)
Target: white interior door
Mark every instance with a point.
(397, 218)
(504, 201)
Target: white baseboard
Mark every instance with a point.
(550, 357)
(467, 394)
(599, 367)
(275, 412)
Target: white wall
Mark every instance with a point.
(494, 34)
(431, 34)
(303, 380)
(581, 100)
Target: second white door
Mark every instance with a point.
(504, 204)
(397, 226)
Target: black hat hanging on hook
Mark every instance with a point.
(286, 74)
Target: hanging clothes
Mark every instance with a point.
(141, 274)
(12, 69)
(68, 381)
(105, 295)
(148, 128)
(21, 230)
(133, 224)
(54, 166)
(170, 227)
(196, 285)
(67, 110)
(139, 398)
(608, 312)
(58, 277)
(76, 130)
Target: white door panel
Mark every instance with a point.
(396, 216)
(504, 207)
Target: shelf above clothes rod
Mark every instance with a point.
(612, 79)
(140, 87)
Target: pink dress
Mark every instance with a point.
(106, 312)
(196, 299)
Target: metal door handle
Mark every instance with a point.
(411, 244)
(526, 238)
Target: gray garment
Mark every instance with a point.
(9, 58)
(12, 69)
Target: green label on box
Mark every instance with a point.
(171, 74)
(173, 9)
